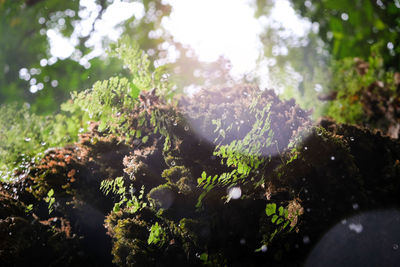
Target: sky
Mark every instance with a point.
(211, 27)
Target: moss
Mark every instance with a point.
(25, 240)
(319, 174)
(163, 196)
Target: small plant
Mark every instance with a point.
(51, 200)
(117, 187)
(157, 235)
(243, 156)
(280, 218)
(29, 208)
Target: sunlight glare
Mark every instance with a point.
(215, 28)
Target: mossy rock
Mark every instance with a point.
(315, 175)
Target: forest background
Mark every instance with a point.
(347, 47)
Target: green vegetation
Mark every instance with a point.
(132, 172)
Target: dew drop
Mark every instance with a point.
(27, 139)
(355, 206)
(235, 192)
(175, 123)
(242, 241)
(186, 128)
(332, 158)
(305, 148)
(306, 239)
(395, 246)
(352, 138)
(173, 163)
(358, 228)
(264, 248)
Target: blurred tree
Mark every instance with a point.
(30, 73)
(350, 28)
(337, 30)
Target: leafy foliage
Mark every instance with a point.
(157, 235)
(110, 102)
(24, 136)
(351, 28)
(51, 200)
(364, 93)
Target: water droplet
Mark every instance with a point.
(175, 123)
(235, 192)
(308, 209)
(264, 248)
(144, 174)
(241, 121)
(304, 179)
(257, 171)
(395, 246)
(305, 148)
(306, 191)
(10, 233)
(358, 228)
(242, 241)
(173, 163)
(332, 158)
(306, 239)
(355, 206)
(186, 128)
(27, 139)
(352, 138)
(43, 143)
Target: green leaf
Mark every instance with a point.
(270, 209)
(286, 213)
(280, 211)
(204, 257)
(116, 207)
(274, 218)
(156, 234)
(145, 139)
(50, 193)
(29, 208)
